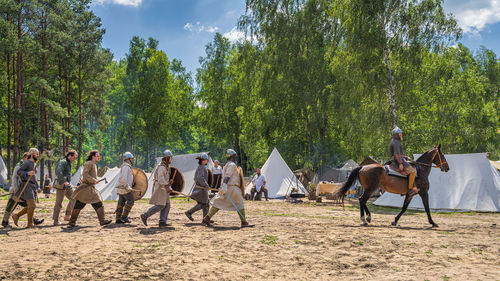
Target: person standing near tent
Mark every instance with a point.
(200, 192)
(399, 162)
(230, 195)
(161, 188)
(63, 186)
(86, 193)
(217, 173)
(125, 190)
(259, 185)
(14, 186)
(27, 177)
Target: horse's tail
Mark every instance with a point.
(340, 193)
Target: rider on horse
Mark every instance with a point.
(399, 161)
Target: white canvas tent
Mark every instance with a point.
(472, 184)
(187, 165)
(279, 178)
(107, 190)
(3, 173)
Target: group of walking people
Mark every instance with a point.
(24, 189)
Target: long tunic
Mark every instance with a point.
(233, 190)
(126, 179)
(201, 180)
(395, 147)
(86, 192)
(161, 182)
(63, 173)
(29, 192)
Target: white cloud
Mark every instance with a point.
(474, 16)
(198, 27)
(234, 35)
(133, 3)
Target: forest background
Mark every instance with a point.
(322, 81)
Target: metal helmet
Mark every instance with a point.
(167, 153)
(128, 155)
(203, 156)
(396, 130)
(231, 152)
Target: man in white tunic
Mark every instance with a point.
(125, 190)
(259, 185)
(230, 195)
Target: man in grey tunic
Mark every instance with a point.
(63, 186)
(399, 161)
(230, 193)
(200, 191)
(15, 182)
(28, 177)
(161, 189)
(125, 190)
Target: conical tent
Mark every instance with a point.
(280, 180)
(187, 165)
(472, 183)
(3, 173)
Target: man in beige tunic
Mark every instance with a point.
(86, 193)
(160, 197)
(230, 191)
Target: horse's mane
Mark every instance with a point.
(424, 155)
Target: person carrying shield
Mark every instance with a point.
(230, 197)
(125, 190)
(161, 188)
(200, 191)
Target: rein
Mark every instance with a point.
(441, 162)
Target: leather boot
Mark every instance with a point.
(74, 217)
(100, 216)
(246, 224)
(206, 221)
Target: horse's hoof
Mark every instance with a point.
(394, 223)
(435, 225)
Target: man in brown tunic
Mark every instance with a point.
(86, 193)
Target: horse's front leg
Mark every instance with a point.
(425, 199)
(403, 209)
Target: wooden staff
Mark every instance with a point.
(26, 184)
(209, 189)
(5, 194)
(181, 193)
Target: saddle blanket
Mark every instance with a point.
(394, 173)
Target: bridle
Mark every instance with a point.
(441, 162)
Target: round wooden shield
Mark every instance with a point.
(242, 181)
(178, 184)
(210, 178)
(140, 184)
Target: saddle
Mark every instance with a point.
(393, 173)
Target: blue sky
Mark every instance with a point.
(184, 27)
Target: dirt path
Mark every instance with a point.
(290, 242)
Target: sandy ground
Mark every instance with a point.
(309, 241)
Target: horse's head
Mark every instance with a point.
(439, 160)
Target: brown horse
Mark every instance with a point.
(374, 176)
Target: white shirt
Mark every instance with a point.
(259, 181)
(217, 171)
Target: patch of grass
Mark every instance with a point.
(298, 242)
(428, 252)
(396, 269)
(138, 246)
(477, 251)
(446, 278)
(269, 240)
(156, 245)
(44, 211)
(443, 246)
